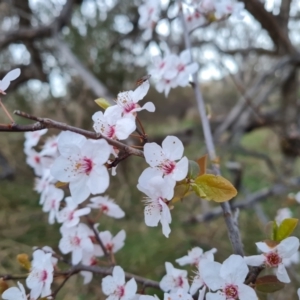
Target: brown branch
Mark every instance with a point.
(48, 123)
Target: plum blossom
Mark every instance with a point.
(149, 16)
(41, 275)
(42, 184)
(158, 194)
(35, 161)
(115, 287)
(273, 257)
(174, 279)
(127, 103)
(195, 255)
(70, 215)
(112, 244)
(10, 76)
(89, 259)
(173, 70)
(111, 126)
(227, 279)
(15, 293)
(32, 138)
(283, 213)
(52, 200)
(77, 241)
(163, 160)
(81, 163)
(50, 147)
(48, 249)
(107, 206)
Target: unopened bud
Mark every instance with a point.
(24, 261)
(103, 103)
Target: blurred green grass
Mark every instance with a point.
(24, 225)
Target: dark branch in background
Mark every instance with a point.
(43, 123)
(233, 231)
(34, 33)
(269, 22)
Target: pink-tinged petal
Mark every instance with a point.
(130, 289)
(67, 138)
(210, 271)
(12, 293)
(288, 247)
(98, 180)
(124, 127)
(113, 113)
(192, 68)
(234, 269)
(118, 275)
(172, 147)
(169, 267)
(202, 293)
(170, 74)
(246, 292)
(118, 240)
(181, 169)
(215, 296)
(108, 285)
(141, 91)
(76, 256)
(145, 177)
(87, 276)
(282, 274)
(82, 212)
(152, 215)
(79, 189)
(263, 247)
(196, 284)
(149, 106)
(10, 76)
(185, 56)
(36, 291)
(65, 245)
(165, 219)
(255, 260)
(62, 170)
(154, 154)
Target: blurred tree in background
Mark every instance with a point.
(73, 51)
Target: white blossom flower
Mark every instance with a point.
(10, 76)
(195, 255)
(115, 287)
(174, 279)
(15, 293)
(112, 244)
(41, 275)
(42, 184)
(32, 138)
(228, 279)
(127, 103)
(81, 162)
(273, 257)
(162, 160)
(76, 240)
(35, 161)
(158, 194)
(48, 249)
(111, 126)
(107, 206)
(283, 213)
(70, 215)
(52, 200)
(50, 148)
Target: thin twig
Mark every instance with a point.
(43, 123)
(233, 231)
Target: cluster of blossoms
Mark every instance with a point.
(202, 12)
(172, 70)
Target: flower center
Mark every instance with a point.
(37, 159)
(167, 166)
(75, 241)
(273, 259)
(178, 281)
(85, 165)
(109, 247)
(104, 208)
(181, 67)
(231, 291)
(44, 275)
(129, 106)
(120, 291)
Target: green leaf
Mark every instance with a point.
(181, 190)
(270, 229)
(212, 187)
(285, 229)
(194, 170)
(268, 284)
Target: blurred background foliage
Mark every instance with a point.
(262, 146)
